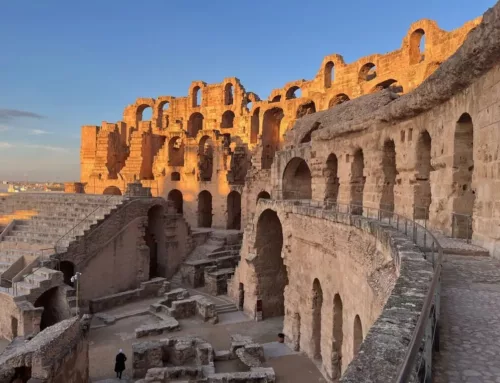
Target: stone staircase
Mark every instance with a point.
(55, 220)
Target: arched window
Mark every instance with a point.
(263, 195)
(195, 124)
(329, 74)
(417, 46)
(270, 135)
(357, 182)
(176, 197)
(227, 119)
(391, 84)
(197, 96)
(358, 335)
(254, 128)
(144, 113)
(175, 152)
(276, 98)
(304, 109)
(368, 72)
(228, 94)
(163, 113)
(112, 190)
(338, 99)
(297, 180)
(205, 158)
(293, 92)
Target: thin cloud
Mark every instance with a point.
(11, 114)
(3, 128)
(38, 132)
(5, 145)
(49, 148)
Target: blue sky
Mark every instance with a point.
(64, 64)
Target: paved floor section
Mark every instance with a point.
(470, 321)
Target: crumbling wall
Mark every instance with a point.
(231, 115)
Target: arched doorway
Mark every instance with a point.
(55, 307)
(68, 270)
(112, 190)
(263, 195)
(317, 305)
(390, 172)
(357, 182)
(176, 197)
(423, 168)
(463, 168)
(338, 337)
(234, 211)
(153, 237)
(332, 179)
(270, 135)
(195, 124)
(271, 272)
(297, 180)
(357, 335)
(205, 159)
(205, 209)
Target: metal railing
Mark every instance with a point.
(417, 364)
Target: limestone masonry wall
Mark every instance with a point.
(197, 150)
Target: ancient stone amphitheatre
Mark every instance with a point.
(359, 219)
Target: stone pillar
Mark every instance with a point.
(74, 187)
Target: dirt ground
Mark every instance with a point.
(106, 341)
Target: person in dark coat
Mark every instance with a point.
(120, 364)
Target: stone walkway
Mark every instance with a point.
(470, 321)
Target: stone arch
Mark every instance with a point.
(176, 151)
(254, 126)
(338, 336)
(272, 276)
(162, 110)
(227, 119)
(306, 108)
(68, 270)
(317, 306)
(175, 176)
(228, 94)
(195, 124)
(338, 99)
(176, 197)
(270, 135)
(422, 188)
(234, 211)
(463, 168)
(205, 158)
(205, 209)
(357, 182)
(329, 74)
(357, 336)
(368, 72)
(263, 195)
(293, 92)
(55, 306)
(417, 46)
(332, 179)
(297, 180)
(197, 96)
(391, 84)
(144, 112)
(153, 238)
(276, 98)
(112, 190)
(390, 173)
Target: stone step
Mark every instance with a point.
(226, 308)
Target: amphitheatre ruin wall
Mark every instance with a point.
(335, 183)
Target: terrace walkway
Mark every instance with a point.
(470, 320)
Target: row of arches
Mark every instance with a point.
(297, 178)
(197, 95)
(272, 279)
(205, 208)
(368, 71)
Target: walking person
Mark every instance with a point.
(120, 363)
